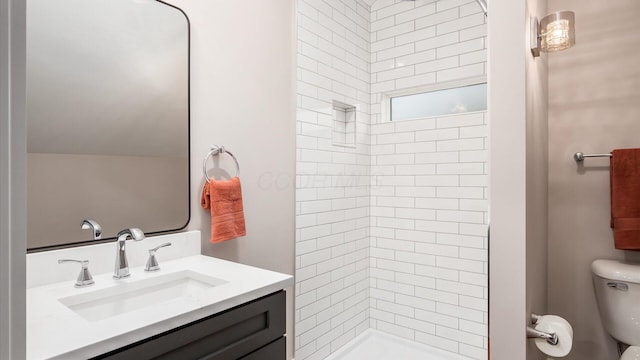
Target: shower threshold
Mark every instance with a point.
(376, 345)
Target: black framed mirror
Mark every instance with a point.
(107, 119)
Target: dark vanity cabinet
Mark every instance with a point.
(251, 331)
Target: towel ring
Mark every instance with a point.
(217, 150)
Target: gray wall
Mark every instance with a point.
(243, 97)
(536, 159)
(593, 107)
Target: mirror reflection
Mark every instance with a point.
(108, 119)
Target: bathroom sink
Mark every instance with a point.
(135, 295)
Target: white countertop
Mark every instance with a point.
(55, 331)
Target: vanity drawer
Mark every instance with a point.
(242, 332)
(275, 350)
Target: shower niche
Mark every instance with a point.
(344, 124)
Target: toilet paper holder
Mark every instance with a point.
(552, 338)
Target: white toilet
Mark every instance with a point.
(617, 288)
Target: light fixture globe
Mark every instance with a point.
(557, 31)
(554, 32)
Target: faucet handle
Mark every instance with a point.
(152, 263)
(84, 278)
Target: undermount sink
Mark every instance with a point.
(135, 295)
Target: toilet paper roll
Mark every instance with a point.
(559, 326)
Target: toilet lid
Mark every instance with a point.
(632, 353)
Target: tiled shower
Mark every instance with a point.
(391, 216)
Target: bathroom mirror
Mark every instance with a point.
(107, 119)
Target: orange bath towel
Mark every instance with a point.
(224, 198)
(625, 198)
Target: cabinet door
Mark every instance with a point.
(274, 351)
(228, 335)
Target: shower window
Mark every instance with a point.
(441, 101)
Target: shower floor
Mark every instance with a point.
(376, 345)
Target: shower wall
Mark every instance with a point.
(391, 233)
(429, 258)
(332, 196)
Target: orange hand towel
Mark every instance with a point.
(625, 198)
(224, 198)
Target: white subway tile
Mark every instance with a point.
(474, 254)
(418, 80)
(474, 180)
(460, 312)
(437, 18)
(437, 295)
(419, 214)
(473, 352)
(474, 156)
(395, 266)
(396, 30)
(474, 303)
(461, 72)
(395, 244)
(394, 308)
(460, 336)
(435, 249)
(415, 147)
(424, 169)
(411, 192)
(437, 273)
(479, 31)
(436, 42)
(437, 342)
(411, 323)
(395, 9)
(437, 226)
(379, 253)
(412, 235)
(459, 264)
(437, 157)
(413, 36)
(433, 203)
(469, 119)
(401, 331)
(461, 240)
(476, 217)
(437, 65)
(401, 72)
(418, 12)
(474, 278)
(395, 223)
(461, 23)
(395, 159)
(473, 205)
(457, 145)
(481, 131)
(396, 51)
(415, 302)
(436, 318)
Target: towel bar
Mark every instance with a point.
(579, 157)
(217, 150)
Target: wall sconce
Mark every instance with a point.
(555, 32)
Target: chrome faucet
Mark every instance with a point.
(96, 229)
(122, 266)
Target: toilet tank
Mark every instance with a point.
(617, 288)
